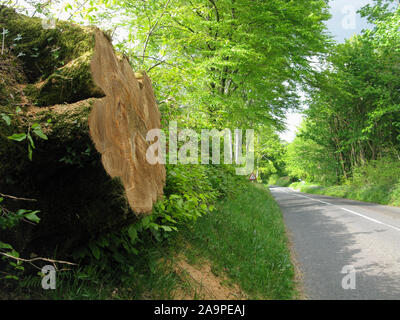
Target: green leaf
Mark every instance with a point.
(31, 140)
(40, 134)
(33, 217)
(29, 152)
(166, 228)
(154, 226)
(6, 118)
(95, 250)
(5, 246)
(18, 136)
(132, 233)
(14, 253)
(119, 257)
(145, 222)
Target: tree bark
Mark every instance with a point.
(91, 175)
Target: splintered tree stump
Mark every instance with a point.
(91, 175)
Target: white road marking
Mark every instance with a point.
(350, 211)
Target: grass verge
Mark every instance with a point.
(245, 238)
(381, 194)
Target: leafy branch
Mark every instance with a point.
(35, 128)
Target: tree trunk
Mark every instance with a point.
(91, 175)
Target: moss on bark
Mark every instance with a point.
(11, 76)
(42, 50)
(56, 61)
(68, 84)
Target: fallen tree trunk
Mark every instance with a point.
(91, 175)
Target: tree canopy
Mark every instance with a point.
(353, 115)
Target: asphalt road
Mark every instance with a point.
(330, 233)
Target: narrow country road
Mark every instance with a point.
(330, 233)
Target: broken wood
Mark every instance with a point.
(91, 175)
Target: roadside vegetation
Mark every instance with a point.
(246, 239)
(378, 182)
(349, 142)
(239, 251)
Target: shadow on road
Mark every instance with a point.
(324, 245)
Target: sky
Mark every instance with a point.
(344, 23)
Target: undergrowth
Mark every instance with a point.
(243, 237)
(377, 181)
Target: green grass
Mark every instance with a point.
(151, 278)
(376, 181)
(381, 194)
(245, 238)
